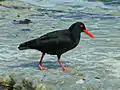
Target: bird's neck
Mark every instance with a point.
(76, 34)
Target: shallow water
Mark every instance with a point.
(93, 64)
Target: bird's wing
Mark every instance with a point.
(54, 45)
(54, 40)
(49, 35)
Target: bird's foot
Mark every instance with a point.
(65, 69)
(41, 67)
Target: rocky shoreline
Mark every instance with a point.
(10, 83)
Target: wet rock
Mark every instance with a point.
(81, 81)
(7, 82)
(25, 29)
(24, 84)
(18, 15)
(97, 77)
(17, 87)
(41, 87)
(25, 21)
(27, 84)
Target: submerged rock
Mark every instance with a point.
(25, 21)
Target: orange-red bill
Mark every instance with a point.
(88, 33)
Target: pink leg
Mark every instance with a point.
(64, 68)
(40, 63)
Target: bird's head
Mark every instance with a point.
(80, 26)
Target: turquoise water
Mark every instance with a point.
(93, 64)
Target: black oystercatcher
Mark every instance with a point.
(57, 42)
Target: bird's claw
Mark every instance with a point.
(42, 68)
(65, 69)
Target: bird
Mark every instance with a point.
(56, 42)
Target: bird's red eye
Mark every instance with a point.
(81, 26)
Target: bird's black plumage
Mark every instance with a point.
(56, 42)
